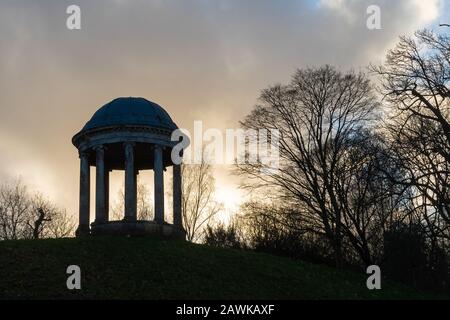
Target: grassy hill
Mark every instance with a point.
(145, 268)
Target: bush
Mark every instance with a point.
(411, 259)
(222, 236)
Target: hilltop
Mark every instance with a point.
(146, 268)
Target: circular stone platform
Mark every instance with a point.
(138, 228)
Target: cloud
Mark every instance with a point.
(419, 12)
(428, 11)
(344, 8)
(200, 59)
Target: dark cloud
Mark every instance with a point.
(201, 59)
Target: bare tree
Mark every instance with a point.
(62, 225)
(46, 220)
(369, 199)
(318, 115)
(144, 205)
(198, 203)
(14, 209)
(25, 216)
(415, 82)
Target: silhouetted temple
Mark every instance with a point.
(130, 134)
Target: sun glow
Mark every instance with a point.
(231, 198)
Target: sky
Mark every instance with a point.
(204, 60)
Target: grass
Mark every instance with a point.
(147, 268)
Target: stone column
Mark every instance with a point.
(177, 193)
(159, 184)
(100, 192)
(130, 183)
(85, 180)
(107, 194)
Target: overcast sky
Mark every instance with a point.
(200, 59)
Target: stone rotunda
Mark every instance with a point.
(129, 134)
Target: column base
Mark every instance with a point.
(180, 233)
(159, 221)
(138, 228)
(97, 222)
(82, 231)
(129, 219)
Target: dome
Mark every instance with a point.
(130, 111)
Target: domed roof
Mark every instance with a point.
(130, 111)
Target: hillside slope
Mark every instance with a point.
(144, 268)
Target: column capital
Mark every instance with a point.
(129, 144)
(83, 154)
(100, 147)
(157, 147)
